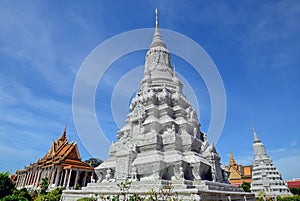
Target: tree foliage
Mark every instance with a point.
(288, 198)
(295, 191)
(246, 186)
(94, 162)
(53, 195)
(261, 194)
(6, 185)
(13, 198)
(23, 193)
(44, 186)
(87, 199)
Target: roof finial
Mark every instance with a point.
(232, 161)
(156, 18)
(67, 123)
(64, 134)
(254, 133)
(252, 126)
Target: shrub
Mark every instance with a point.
(13, 198)
(87, 199)
(6, 185)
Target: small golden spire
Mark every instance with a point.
(232, 161)
(156, 18)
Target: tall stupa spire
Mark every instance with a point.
(156, 18)
(256, 139)
(157, 40)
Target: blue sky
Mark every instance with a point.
(254, 44)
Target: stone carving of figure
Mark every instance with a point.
(213, 175)
(145, 89)
(108, 174)
(188, 111)
(134, 173)
(225, 175)
(181, 174)
(92, 179)
(173, 128)
(193, 115)
(195, 132)
(151, 93)
(100, 177)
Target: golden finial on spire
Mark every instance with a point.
(232, 161)
(156, 18)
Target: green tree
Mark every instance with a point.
(22, 193)
(13, 198)
(51, 196)
(6, 185)
(94, 162)
(295, 191)
(246, 186)
(44, 186)
(261, 194)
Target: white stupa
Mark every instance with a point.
(265, 176)
(162, 143)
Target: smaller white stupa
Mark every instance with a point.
(265, 176)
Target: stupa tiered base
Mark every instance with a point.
(181, 189)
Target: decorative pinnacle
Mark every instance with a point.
(254, 133)
(232, 161)
(156, 18)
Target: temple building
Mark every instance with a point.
(62, 165)
(238, 173)
(265, 176)
(161, 142)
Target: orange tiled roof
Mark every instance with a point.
(62, 153)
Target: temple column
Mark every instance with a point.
(76, 178)
(84, 179)
(37, 177)
(65, 177)
(43, 173)
(28, 178)
(57, 177)
(22, 180)
(53, 172)
(48, 173)
(17, 180)
(31, 177)
(61, 180)
(26, 175)
(69, 179)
